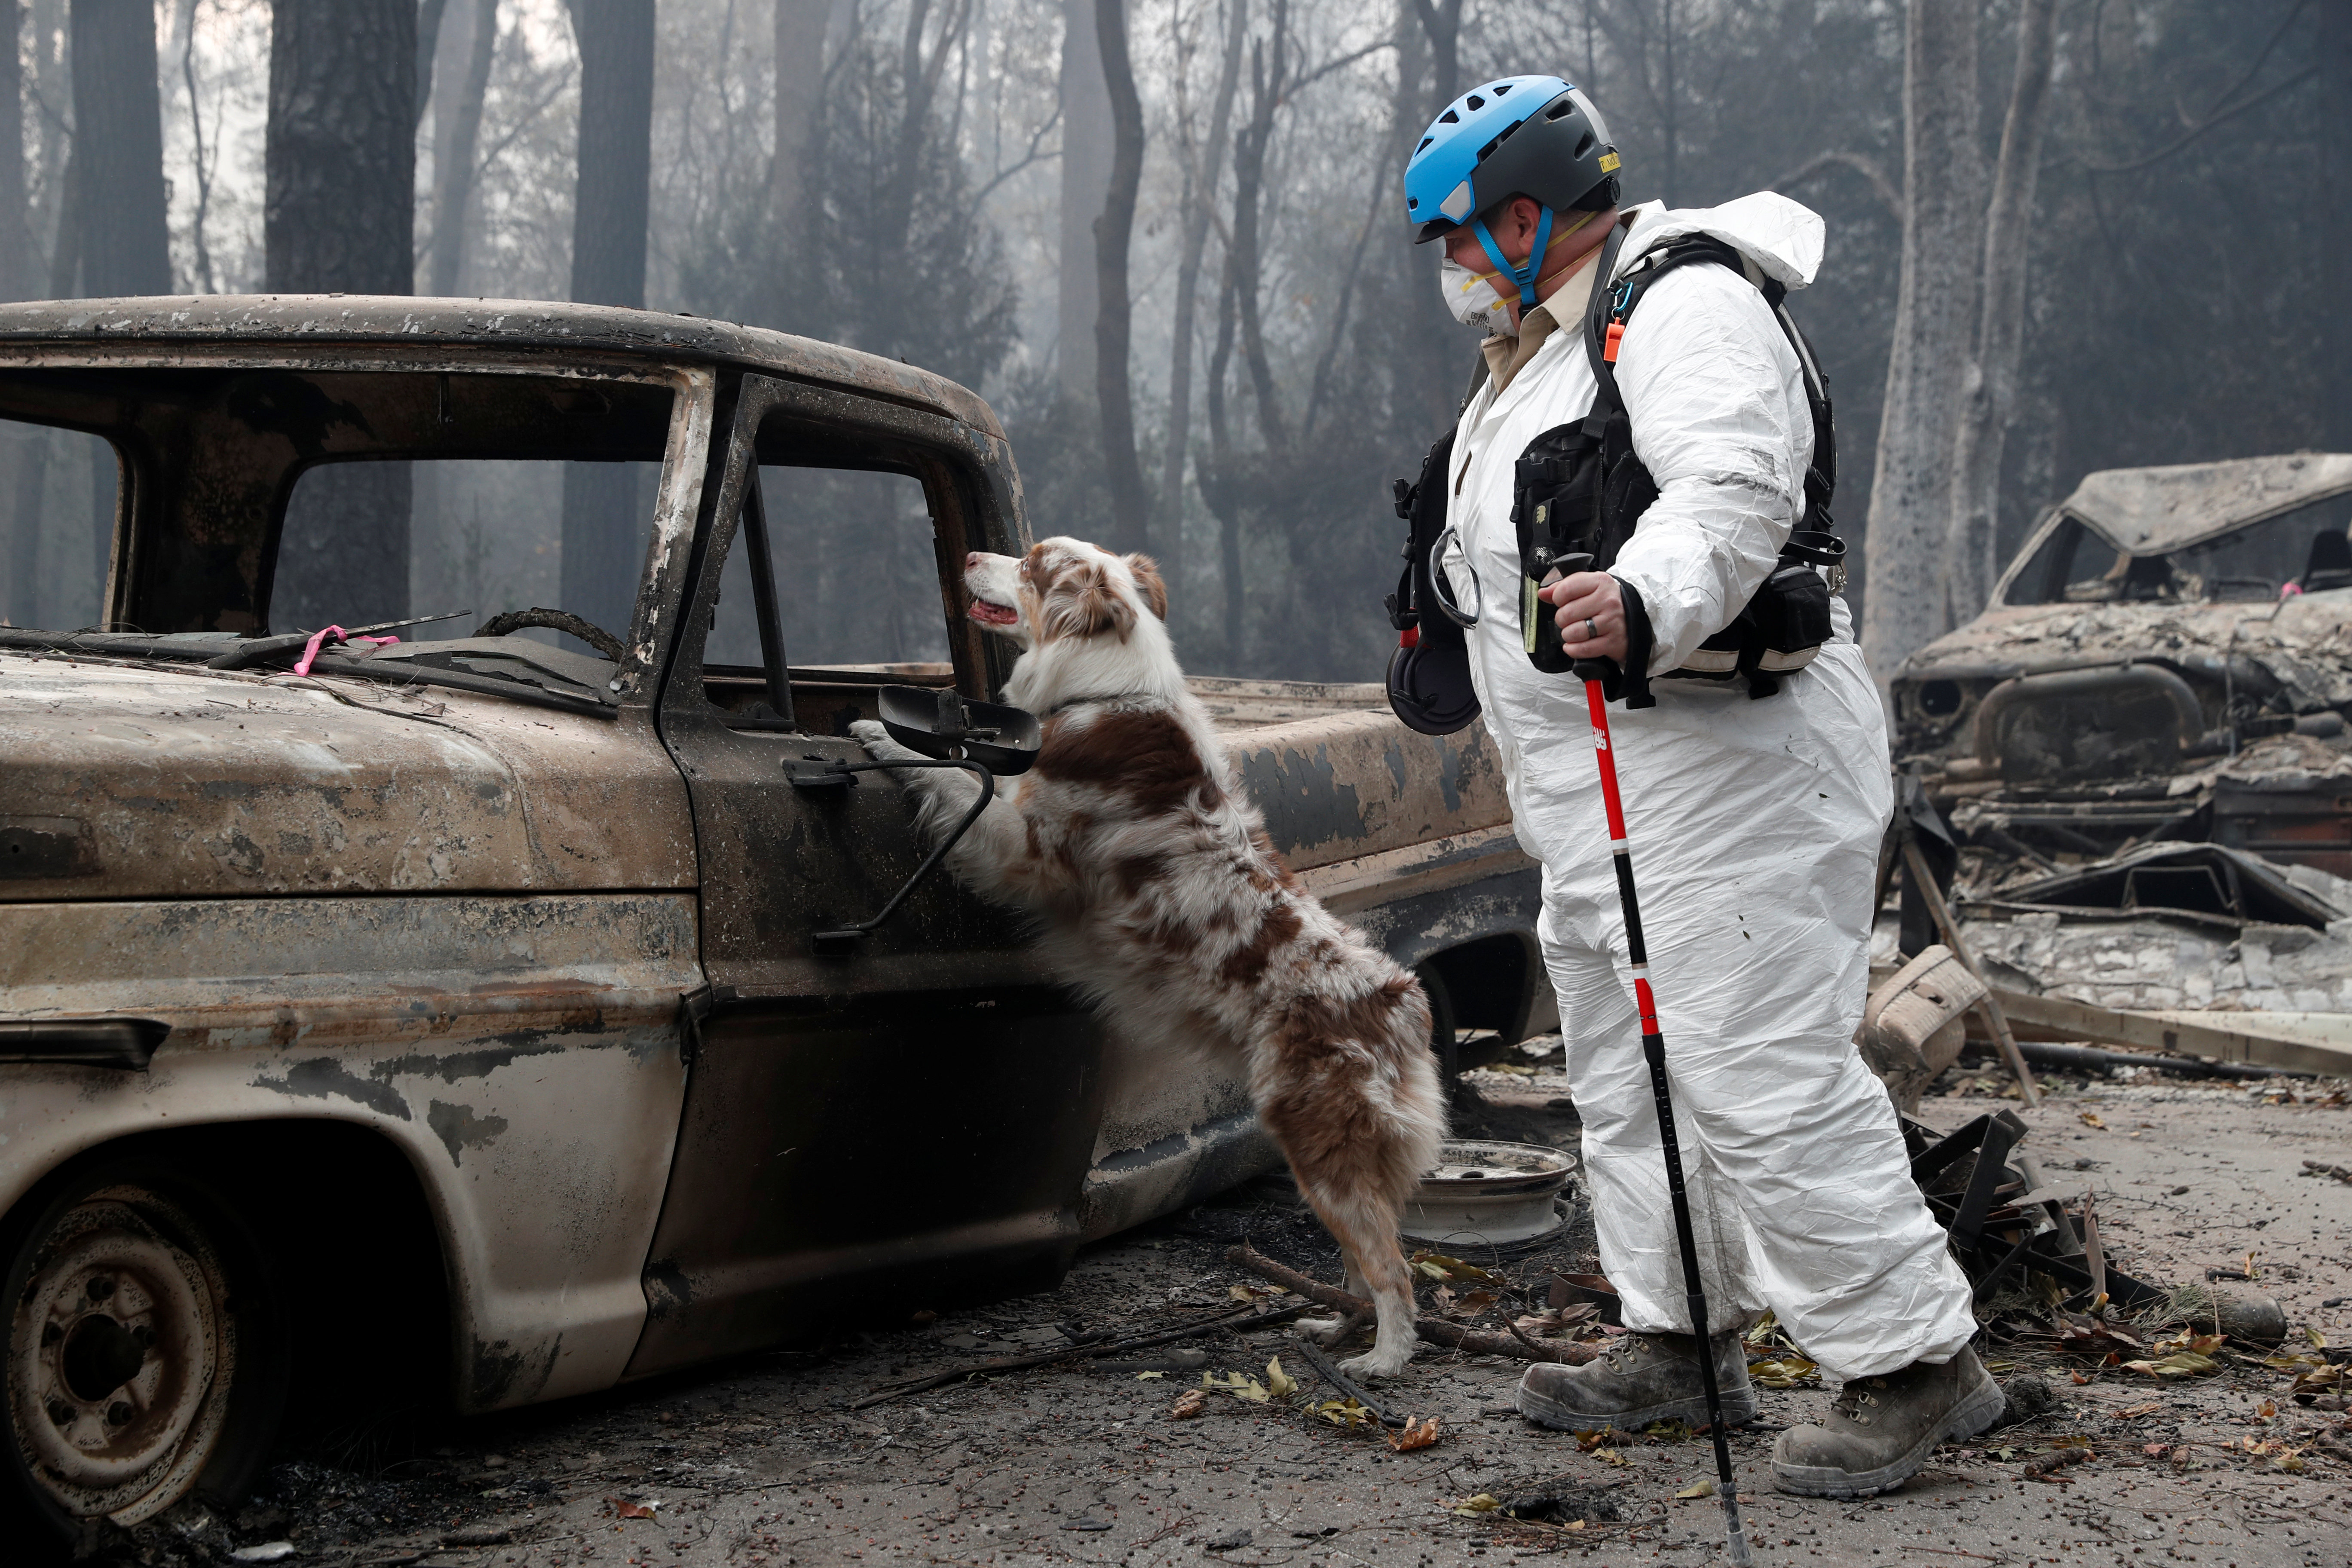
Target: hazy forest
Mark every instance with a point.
(1165, 239)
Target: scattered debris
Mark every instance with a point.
(2320, 1168)
(1190, 1402)
(1436, 1331)
(1350, 1394)
(1420, 1434)
(1090, 1346)
(2051, 1463)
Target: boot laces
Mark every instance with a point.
(1854, 1398)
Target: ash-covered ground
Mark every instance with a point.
(765, 1462)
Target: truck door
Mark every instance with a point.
(910, 1122)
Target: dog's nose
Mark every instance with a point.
(972, 561)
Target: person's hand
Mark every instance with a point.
(1590, 614)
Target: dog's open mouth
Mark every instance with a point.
(992, 614)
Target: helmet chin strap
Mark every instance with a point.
(1523, 275)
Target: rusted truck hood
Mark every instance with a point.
(135, 781)
(2306, 642)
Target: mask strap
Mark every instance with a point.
(1525, 275)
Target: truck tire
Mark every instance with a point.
(146, 1355)
(1443, 1037)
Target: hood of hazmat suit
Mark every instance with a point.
(1754, 827)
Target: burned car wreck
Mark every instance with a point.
(446, 1018)
(2169, 658)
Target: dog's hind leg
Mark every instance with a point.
(1366, 1230)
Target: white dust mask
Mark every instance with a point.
(1472, 297)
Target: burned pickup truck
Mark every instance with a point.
(2169, 658)
(451, 1013)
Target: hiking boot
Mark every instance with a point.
(1881, 1429)
(1638, 1380)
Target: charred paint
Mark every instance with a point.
(324, 1078)
(460, 1128)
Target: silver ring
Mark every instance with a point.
(1591, 632)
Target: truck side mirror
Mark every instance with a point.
(987, 739)
(941, 722)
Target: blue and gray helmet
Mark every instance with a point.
(1534, 136)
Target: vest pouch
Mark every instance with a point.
(1791, 610)
(1554, 486)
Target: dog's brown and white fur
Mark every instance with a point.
(1158, 894)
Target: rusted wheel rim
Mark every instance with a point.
(122, 1358)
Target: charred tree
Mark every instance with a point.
(1131, 508)
(603, 522)
(2335, 240)
(338, 215)
(456, 136)
(1935, 329)
(1085, 182)
(792, 190)
(1203, 167)
(1973, 548)
(119, 230)
(119, 150)
(17, 268)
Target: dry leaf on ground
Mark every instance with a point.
(1417, 1434)
(1191, 1402)
(1698, 1488)
(631, 1509)
(1472, 1507)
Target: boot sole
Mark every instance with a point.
(1738, 1407)
(1979, 1409)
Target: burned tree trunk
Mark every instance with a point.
(338, 215)
(1935, 328)
(1085, 180)
(339, 152)
(1249, 183)
(119, 159)
(1201, 171)
(602, 520)
(456, 135)
(792, 192)
(118, 148)
(16, 263)
(2335, 204)
(1130, 509)
(616, 109)
(1973, 548)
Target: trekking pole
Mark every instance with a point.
(1654, 1049)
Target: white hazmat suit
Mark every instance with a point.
(1754, 826)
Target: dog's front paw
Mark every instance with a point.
(1325, 1331)
(1376, 1363)
(878, 745)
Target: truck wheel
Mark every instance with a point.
(1443, 1039)
(146, 1360)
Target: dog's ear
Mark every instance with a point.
(1083, 602)
(1150, 584)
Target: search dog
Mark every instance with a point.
(1157, 893)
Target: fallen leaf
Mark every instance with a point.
(1278, 1382)
(1240, 1384)
(2154, 1450)
(2091, 1119)
(1416, 1435)
(2268, 1410)
(631, 1509)
(2078, 1378)
(1191, 1402)
(1252, 1292)
(1484, 1502)
(1147, 1377)
(1343, 1413)
(1781, 1371)
(2187, 1363)
(1609, 1456)
(1588, 1441)
(1698, 1488)
(1437, 1266)
(2128, 1413)
(1476, 1302)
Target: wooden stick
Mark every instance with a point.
(1338, 1381)
(1436, 1331)
(1238, 1317)
(1915, 864)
